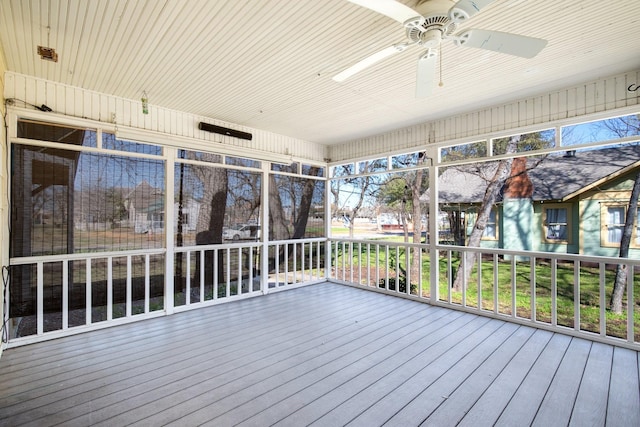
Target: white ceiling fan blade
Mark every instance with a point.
(426, 73)
(511, 44)
(369, 61)
(465, 9)
(391, 8)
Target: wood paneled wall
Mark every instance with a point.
(77, 102)
(607, 94)
(583, 100)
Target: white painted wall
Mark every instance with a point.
(604, 95)
(4, 191)
(77, 102)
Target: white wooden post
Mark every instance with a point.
(169, 303)
(434, 272)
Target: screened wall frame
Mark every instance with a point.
(171, 145)
(433, 152)
(161, 216)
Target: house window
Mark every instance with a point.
(615, 223)
(556, 224)
(614, 218)
(491, 229)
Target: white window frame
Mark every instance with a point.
(545, 223)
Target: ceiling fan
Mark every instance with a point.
(433, 21)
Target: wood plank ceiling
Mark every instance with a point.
(268, 64)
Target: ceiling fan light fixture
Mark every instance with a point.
(369, 61)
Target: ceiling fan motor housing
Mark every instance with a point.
(436, 23)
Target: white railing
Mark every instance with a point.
(565, 293)
(561, 292)
(209, 273)
(235, 269)
(80, 292)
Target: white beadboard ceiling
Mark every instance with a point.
(268, 64)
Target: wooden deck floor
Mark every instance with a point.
(322, 355)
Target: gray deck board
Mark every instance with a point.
(524, 403)
(322, 355)
(591, 401)
(623, 391)
(495, 398)
(460, 401)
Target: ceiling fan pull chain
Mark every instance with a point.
(441, 83)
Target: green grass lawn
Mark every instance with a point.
(521, 292)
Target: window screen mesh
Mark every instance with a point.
(67, 202)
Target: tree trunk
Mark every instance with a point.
(416, 257)
(211, 217)
(278, 229)
(489, 200)
(621, 271)
(300, 226)
(366, 181)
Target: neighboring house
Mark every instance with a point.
(572, 203)
(145, 208)
(98, 209)
(190, 210)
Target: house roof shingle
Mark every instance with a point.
(554, 178)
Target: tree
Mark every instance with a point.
(402, 192)
(212, 210)
(291, 199)
(622, 127)
(393, 194)
(490, 196)
(360, 187)
(304, 210)
(621, 270)
(498, 177)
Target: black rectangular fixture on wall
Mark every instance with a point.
(224, 131)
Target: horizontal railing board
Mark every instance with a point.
(347, 269)
(242, 279)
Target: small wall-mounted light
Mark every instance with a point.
(48, 53)
(145, 103)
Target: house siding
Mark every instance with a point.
(539, 243)
(518, 224)
(521, 224)
(616, 192)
